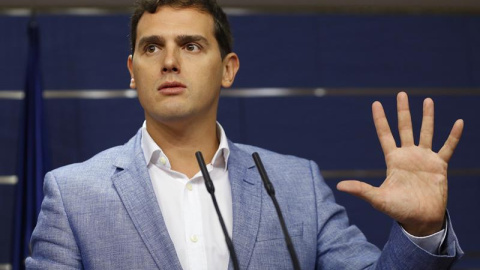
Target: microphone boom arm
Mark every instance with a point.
(271, 193)
(211, 190)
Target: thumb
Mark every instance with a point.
(360, 189)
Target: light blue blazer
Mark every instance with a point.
(103, 214)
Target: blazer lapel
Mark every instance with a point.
(135, 189)
(246, 203)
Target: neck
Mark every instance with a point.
(180, 142)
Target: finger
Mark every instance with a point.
(383, 129)
(404, 120)
(360, 189)
(449, 147)
(426, 132)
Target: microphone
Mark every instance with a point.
(271, 192)
(211, 190)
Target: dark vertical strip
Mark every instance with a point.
(33, 162)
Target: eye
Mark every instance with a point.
(151, 48)
(192, 47)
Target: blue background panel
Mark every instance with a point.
(10, 114)
(276, 51)
(6, 221)
(85, 52)
(463, 203)
(338, 132)
(474, 48)
(78, 128)
(357, 50)
(371, 51)
(13, 53)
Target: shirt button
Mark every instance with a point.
(163, 160)
(194, 238)
(189, 186)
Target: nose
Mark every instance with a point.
(171, 62)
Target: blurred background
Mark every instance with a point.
(310, 70)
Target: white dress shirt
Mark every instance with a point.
(187, 207)
(190, 216)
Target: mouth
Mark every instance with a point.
(171, 88)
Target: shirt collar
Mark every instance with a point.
(154, 155)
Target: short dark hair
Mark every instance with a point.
(221, 25)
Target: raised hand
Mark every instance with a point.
(415, 190)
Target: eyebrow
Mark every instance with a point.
(151, 40)
(183, 39)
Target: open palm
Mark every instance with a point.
(415, 190)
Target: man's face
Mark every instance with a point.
(177, 68)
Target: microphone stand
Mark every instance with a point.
(211, 190)
(271, 192)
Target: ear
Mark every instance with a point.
(231, 64)
(130, 69)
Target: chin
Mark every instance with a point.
(173, 117)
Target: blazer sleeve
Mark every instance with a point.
(343, 246)
(53, 242)
(401, 252)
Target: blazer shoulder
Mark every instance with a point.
(101, 164)
(274, 158)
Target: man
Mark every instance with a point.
(143, 205)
